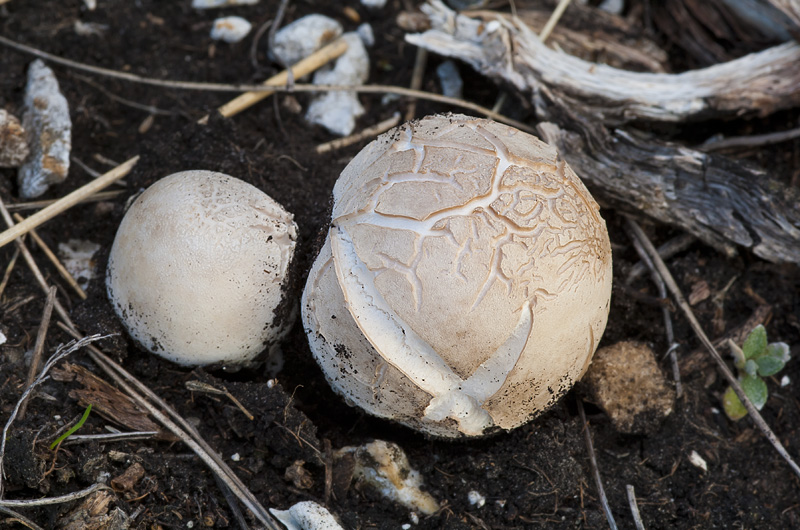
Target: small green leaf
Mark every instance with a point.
(779, 350)
(755, 344)
(751, 367)
(756, 390)
(732, 405)
(73, 428)
(769, 365)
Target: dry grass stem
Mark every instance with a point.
(554, 18)
(755, 140)
(9, 269)
(637, 517)
(14, 516)
(47, 501)
(38, 205)
(38, 350)
(66, 202)
(367, 133)
(698, 329)
(672, 346)
(110, 437)
(306, 66)
(417, 74)
(601, 492)
(62, 270)
(199, 386)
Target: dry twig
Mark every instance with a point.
(637, 517)
(601, 492)
(698, 329)
(369, 132)
(554, 18)
(38, 349)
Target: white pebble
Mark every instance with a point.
(450, 79)
(303, 37)
(210, 4)
(76, 255)
(89, 29)
(337, 110)
(414, 517)
(230, 29)
(3, 338)
(476, 499)
(91, 5)
(13, 143)
(698, 461)
(366, 34)
(236, 457)
(373, 4)
(785, 381)
(307, 515)
(49, 129)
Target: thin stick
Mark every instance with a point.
(369, 132)
(754, 140)
(47, 501)
(304, 67)
(420, 62)
(66, 202)
(110, 437)
(554, 18)
(14, 515)
(595, 471)
(272, 88)
(9, 269)
(62, 270)
(698, 329)
(38, 349)
(231, 500)
(672, 346)
(200, 386)
(38, 205)
(637, 517)
(666, 251)
(62, 351)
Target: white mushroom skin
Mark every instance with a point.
(465, 280)
(197, 269)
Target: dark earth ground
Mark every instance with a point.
(535, 476)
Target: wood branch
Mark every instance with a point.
(721, 201)
(503, 48)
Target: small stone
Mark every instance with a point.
(13, 145)
(625, 381)
(47, 122)
(337, 110)
(303, 37)
(211, 4)
(450, 79)
(307, 515)
(698, 461)
(384, 467)
(476, 499)
(230, 29)
(373, 4)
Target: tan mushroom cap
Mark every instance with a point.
(472, 276)
(197, 268)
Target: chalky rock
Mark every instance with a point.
(13, 144)
(384, 467)
(338, 110)
(626, 382)
(230, 29)
(465, 280)
(303, 37)
(47, 122)
(307, 515)
(212, 4)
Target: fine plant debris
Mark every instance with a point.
(395, 143)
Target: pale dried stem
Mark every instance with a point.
(672, 346)
(21, 519)
(417, 74)
(38, 205)
(369, 132)
(601, 492)
(698, 329)
(554, 18)
(38, 350)
(9, 269)
(48, 501)
(637, 518)
(66, 202)
(62, 270)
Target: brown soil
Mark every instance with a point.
(535, 476)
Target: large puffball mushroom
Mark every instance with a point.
(197, 269)
(465, 280)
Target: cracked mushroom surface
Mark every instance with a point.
(465, 280)
(197, 268)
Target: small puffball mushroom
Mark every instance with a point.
(465, 280)
(197, 269)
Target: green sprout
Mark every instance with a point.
(755, 360)
(73, 428)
